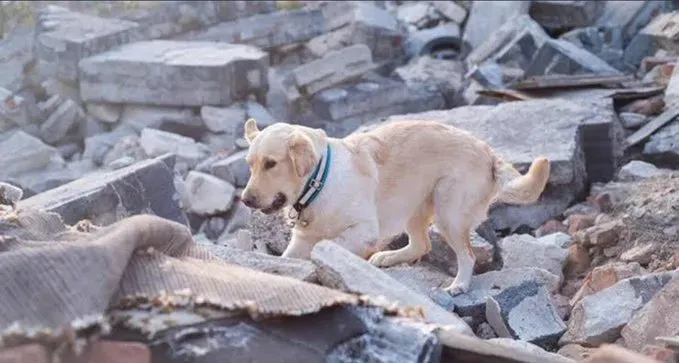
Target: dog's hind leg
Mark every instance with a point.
(419, 243)
(458, 210)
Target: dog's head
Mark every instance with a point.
(281, 158)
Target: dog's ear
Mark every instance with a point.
(251, 130)
(301, 153)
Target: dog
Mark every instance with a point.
(362, 190)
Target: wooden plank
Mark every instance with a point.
(567, 81)
(651, 127)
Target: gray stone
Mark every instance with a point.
(291, 267)
(126, 147)
(629, 16)
(21, 153)
(50, 105)
(106, 112)
(599, 318)
(223, 119)
(65, 37)
(360, 22)
(435, 74)
(175, 73)
(524, 250)
(98, 145)
(237, 218)
(266, 31)
(334, 68)
(61, 121)
(663, 30)
(525, 312)
(605, 43)
(339, 268)
(638, 170)
(157, 142)
(272, 230)
(485, 16)
(208, 195)
(10, 194)
(633, 120)
(538, 354)
(563, 57)
(662, 145)
(505, 40)
(16, 52)
(234, 169)
(139, 117)
(259, 113)
(66, 91)
(450, 10)
(672, 90)
(108, 196)
(40, 181)
(424, 42)
(473, 302)
(413, 13)
(566, 14)
(13, 110)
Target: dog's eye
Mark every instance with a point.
(269, 164)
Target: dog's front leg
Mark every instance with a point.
(361, 238)
(300, 246)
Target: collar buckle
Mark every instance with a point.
(316, 184)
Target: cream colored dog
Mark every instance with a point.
(399, 176)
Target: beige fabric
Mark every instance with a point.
(51, 274)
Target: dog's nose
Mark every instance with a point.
(249, 200)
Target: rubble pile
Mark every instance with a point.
(113, 110)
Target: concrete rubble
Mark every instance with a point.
(111, 110)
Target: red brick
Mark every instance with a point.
(578, 260)
(117, 352)
(551, 226)
(29, 353)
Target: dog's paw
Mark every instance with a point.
(456, 288)
(385, 259)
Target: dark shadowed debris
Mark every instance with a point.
(108, 196)
(566, 14)
(651, 127)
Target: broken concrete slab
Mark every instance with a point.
(157, 142)
(663, 30)
(606, 43)
(339, 268)
(599, 318)
(524, 250)
(566, 14)
(57, 125)
(662, 146)
(432, 41)
(21, 153)
(334, 68)
(629, 16)
(265, 31)
(208, 195)
(234, 169)
(291, 267)
(105, 197)
(440, 75)
(223, 119)
(484, 16)
(638, 170)
(175, 73)
(525, 312)
(563, 57)
(98, 145)
(659, 318)
(66, 37)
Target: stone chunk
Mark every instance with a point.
(223, 119)
(266, 31)
(21, 153)
(603, 277)
(598, 318)
(106, 112)
(175, 73)
(334, 68)
(10, 194)
(524, 250)
(105, 197)
(157, 142)
(659, 318)
(663, 31)
(638, 170)
(292, 267)
(662, 145)
(233, 169)
(339, 268)
(61, 121)
(208, 195)
(632, 120)
(628, 15)
(566, 14)
(14, 110)
(432, 74)
(563, 57)
(525, 312)
(139, 117)
(451, 10)
(66, 37)
(484, 16)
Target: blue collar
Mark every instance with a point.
(315, 184)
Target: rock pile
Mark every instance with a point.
(113, 110)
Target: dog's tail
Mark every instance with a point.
(521, 189)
